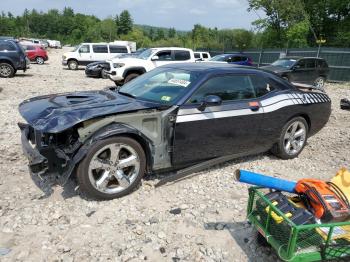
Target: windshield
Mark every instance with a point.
(75, 48)
(287, 63)
(218, 58)
(161, 85)
(145, 54)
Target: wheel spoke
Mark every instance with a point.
(102, 182)
(288, 146)
(299, 133)
(114, 150)
(294, 128)
(98, 163)
(123, 180)
(130, 161)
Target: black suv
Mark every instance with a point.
(12, 58)
(306, 70)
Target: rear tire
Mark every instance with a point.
(292, 139)
(6, 70)
(102, 174)
(130, 77)
(73, 65)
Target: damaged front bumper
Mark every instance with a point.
(38, 164)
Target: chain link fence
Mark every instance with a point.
(338, 59)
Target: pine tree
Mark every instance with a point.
(125, 23)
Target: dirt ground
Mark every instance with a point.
(43, 221)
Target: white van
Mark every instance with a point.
(87, 53)
(54, 44)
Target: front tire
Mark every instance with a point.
(39, 60)
(292, 139)
(73, 65)
(319, 83)
(112, 168)
(130, 77)
(6, 70)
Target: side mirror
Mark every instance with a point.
(210, 100)
(296, 67)
(155, 58)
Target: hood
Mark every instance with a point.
(128, 60)
(55, 113)
(276, 69)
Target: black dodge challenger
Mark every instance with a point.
(170, 118)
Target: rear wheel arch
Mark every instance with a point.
(6, 61)
(303, 115)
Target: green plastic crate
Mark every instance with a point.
(292, 242)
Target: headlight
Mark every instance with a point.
(117, 65)
(64, 57)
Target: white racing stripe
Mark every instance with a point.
(268, 105)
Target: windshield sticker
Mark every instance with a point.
(179, 82)
(166, 98)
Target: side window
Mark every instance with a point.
(7, 46)
(100, 49)
(118, 49)
(197, 55)
(301, 64)
(182, 55)
(261, 85)
(30, 47)
(84, 49)
(236, 59)
(227, 87)
(310, 63)
(205, 55)
(164, 55)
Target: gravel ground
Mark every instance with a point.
(43, 221)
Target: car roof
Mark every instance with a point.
(172, 48)
(301, 57)
(212, 67)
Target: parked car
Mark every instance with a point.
(54, 44)
(12, 58)
(307, 70)
(238, 59)
(202, 56)
(126, 69)
(30, 41)
(87, 53)
(169, 118)
(36, 53)
(95, 69)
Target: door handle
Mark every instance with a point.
(254, 106)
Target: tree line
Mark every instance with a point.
(287, 24)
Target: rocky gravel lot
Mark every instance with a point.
(199, 219)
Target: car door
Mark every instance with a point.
(84, 55)
(164, 57)
(229, 128)
(303, 71)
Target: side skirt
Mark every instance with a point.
(187, 172)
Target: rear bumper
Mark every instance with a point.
(38, 164)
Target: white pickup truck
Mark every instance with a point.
(123, 70)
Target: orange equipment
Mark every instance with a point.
(325, 199)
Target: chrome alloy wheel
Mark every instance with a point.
(5, 70)
(114, 168)
(294, 138)
(319, 83)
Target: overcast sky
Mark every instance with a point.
(181, 14)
